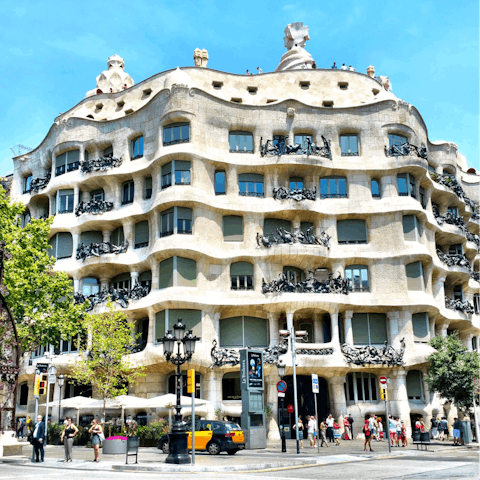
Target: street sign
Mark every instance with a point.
(383, 380)
(52, 378)
(41, 367)
(290, 409)
(281, 395)
(282, 386)
(315, 388)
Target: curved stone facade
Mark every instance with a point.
(378, 202)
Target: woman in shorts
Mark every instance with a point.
(368, 436)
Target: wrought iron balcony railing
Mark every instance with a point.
(138, 347)
(459, 261)
(95, 207)
(306, 148)
(405, 149)
(372, 355)
(459, 222)
(97, 249)
(451, 182)
(463, 306)
(100, 164)
(298, 194)
(119, 295)
(284, 237)
(39, 183)
(333, 284)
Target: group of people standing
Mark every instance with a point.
(328, 429)
(374, 430)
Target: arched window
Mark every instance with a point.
(294, 274)
(244, 332)
(121, 281)
(411, 228)
(64, 201)
(176, 220)
(415, 385)
(26, 217)
(349, 145)
(421, 327)
(137, 148)
(177, 170)
(27, 183)
(358, 276)
(375, 187)
(369, 328)
(97, 195)
(117, 236)
(396, 140)
(231, 386)
(241, 275)
(241, 142)
(90, 286)
(128, 190)
(62, 245)
(220, 182)
(406, 185)
(178, 272)
(361, 387)
(148, 188)
(296, 183)
(232, 228)
(176, 133)
(108, 152)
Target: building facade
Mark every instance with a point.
(247, 204)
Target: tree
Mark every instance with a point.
(103, 362)
(452, 371)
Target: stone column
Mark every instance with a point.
(338, 401)
(155, 274)
(398, 398)
(52, 204)
(393, 318)
(133, 278)
(442, 329)
(296, 225)
(154, 228)
(467, 341)
(75, 243)
(335, 331)
(76, 195)
(128, 232)
(273, 328)
(272, 401)
(151, 326)
(137, 189)
(348, 314)
(318, 328)
(212, 390)
(104, 282)
(76, 284)
(156, 172)
(107, 234)
(232, 181)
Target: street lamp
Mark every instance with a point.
(61, 381)
(281, 374)
(177, 438)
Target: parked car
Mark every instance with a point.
(211, 435)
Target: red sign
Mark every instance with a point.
(290, 409)
(282, 386)
(383, 380)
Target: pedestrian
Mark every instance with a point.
(456, 432)
(38, 436)
(311, 425)
(67, 436)
(351, 68)
(380, 429)
(329, 422)
(336, 433)
(392, 426)
(259, 70)
(372, 425)
(248, 73)
(299, 425)
(314, 65)
(343, 67)
(346, 425)
(398, 431)
(96, 430)
(350, 418)
(403, 434)
(368, 436)
(323, 431)
(334, 66)
(434, 427)
(444, 426)
(20, 428)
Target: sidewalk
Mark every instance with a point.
(151, 459)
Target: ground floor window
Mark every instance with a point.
(231, 386)
(361, 387)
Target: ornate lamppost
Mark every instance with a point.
(178, 438)
(61, 380)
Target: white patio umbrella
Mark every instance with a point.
(77, 402)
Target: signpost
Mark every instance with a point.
(281, 389)
(191, 389)
(383, 390)
(475, 417)
(315, 390)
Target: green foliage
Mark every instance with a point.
(452, 370)
(268, 412)
(103, 362)
(41, 300)
(130, 429)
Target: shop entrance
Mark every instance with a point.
(306, 402)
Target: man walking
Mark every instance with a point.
(37, 439)
(311, 430)
(329, 423)
(350, 421)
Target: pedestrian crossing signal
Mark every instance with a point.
(36, 385)
(191, 381)
(383, 393)
(42, 384)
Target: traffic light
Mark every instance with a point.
(42, 388)
(191, 381)
(383, 393)
(36, 385)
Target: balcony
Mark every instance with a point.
(459, 222)
(459, 261)
(297, 194)
(95, 207)
(451, 183)
(280, 147)
(288, 238)
(97, 249)
(406, 149)
(333, 284)
(100, 164)
(463, 306)
(39, 183)
(372, 355)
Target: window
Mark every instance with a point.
(26, 217)
(358, 276)
(406, 185)
(62, 245)
(27, 183)
(172, 388)
(476, 303)
(302, 139)
(243, 332)
(361, 387)
(128, 192)
(178, 272)
(411, 228)
(294, 274)
(178, 170)
(453, 211)
(91, 237)
(414, 272)
(375, 187)
(271, 225)
(69, 345)
(148, 188)
(369, 328)
(67, 162)
(108, 152)
(250, 184)
(343, 85)
(65, 201)
(296, 183)
(423, 198)
(351, 231)
(90, 286)
(117, 236)
(166, 319)
(396, 140)
(232, 228)
(123, 280)
(97, 195)
(241, 142)
(176, 220)
(231, 386)
(333, 187)
(305, 85)
(458, 293)
(137, 148)
(349, 145)
(456, 249)
(23, 394)
(421, 327)
(217, 85)
(176, 133)
(252, 90)
(141, 234)
(304, 226)
(241, 276)
(415, 385)
(220, 183)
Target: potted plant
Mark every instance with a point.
(130, 430)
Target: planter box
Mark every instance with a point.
(148, 442)
(114, 447)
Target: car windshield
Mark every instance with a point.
(233, 427)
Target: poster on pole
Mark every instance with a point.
(315, 387)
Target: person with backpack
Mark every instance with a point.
(368, 436)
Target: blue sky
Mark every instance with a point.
(52, 52)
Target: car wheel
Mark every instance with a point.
(165, 447)
(232, 452)
(213, 448)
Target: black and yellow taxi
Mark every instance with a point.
(213, 436)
